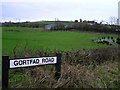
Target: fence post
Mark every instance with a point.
(58, 66)
(5, 71)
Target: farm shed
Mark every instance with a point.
(58, 26)
(49, 26)
(91, 22)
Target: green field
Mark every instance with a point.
(97, 68)
(37, 40)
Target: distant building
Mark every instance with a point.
(91, 22)
(58, 26)
(50, 26)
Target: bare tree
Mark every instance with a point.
(113, 20)
(103, 22)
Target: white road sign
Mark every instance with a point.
(32, 62)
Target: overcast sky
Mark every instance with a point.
(36, 10)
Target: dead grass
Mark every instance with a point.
(97, 71)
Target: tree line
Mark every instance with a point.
(77, 26)
(23, 24)
(74, 26)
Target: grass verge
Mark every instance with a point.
(102, 71)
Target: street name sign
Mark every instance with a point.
(32, 62)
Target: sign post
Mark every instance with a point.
(28, 62)
(58, 66)
(5, 71)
